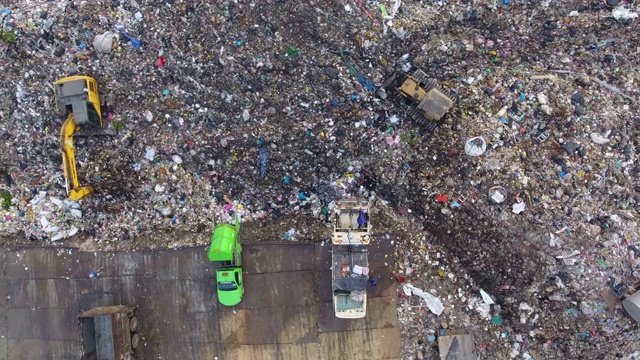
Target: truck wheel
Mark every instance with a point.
(135, 341)
(133, 324)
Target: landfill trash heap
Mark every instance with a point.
(527, 188)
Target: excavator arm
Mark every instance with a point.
(74, 190)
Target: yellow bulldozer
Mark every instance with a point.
(77, 98)
(420, 97)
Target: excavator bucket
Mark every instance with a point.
(79, 193)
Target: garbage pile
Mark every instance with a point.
(528, 189)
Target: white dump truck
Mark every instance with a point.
(349, 258)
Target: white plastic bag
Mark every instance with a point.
(475, 146)
(620, 13)
(104, 42)
(433, 303)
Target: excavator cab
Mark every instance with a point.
(79, 95)
(77, 98)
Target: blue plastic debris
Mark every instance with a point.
(302, 196)
(238, 43)
(134, 42)
(363, 218)
(264, 160)
(361, 79)
(522, 97)
(334, 103)
(286, 180)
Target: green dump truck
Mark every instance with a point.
(226, 252)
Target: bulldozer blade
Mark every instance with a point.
(391, 79)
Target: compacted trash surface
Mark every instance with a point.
(515, 221)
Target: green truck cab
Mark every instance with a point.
(226, 252)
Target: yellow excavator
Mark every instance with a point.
(77, 98)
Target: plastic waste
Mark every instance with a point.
(475, 146)
(148, 115)
(104, 43)
(136, 43)
(517, 208)
(433, 303)
(263, 154)
(525, 306)
(598, 139)
(497, 194)
(621, 13)
(290, 234)
(486, 298)
(150, 153)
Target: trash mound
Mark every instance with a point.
(526, 188)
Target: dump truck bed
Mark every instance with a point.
(105, 333)
(350, 269)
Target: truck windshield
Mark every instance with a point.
(227, 286)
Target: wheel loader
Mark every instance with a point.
(77, 98)
(420, 97)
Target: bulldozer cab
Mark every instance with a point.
(79, 95)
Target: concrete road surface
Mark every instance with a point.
(286, 313)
